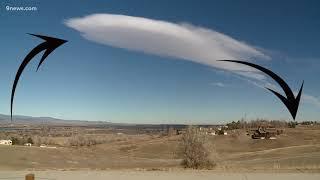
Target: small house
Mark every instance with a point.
(43, 146)
(6, 142)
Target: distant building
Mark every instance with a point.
(43, 146)
(207, 131)
(6, 142)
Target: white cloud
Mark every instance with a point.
(272, 86)
(219, 84)
(259, 84)
(182, 41)
(306, 98)
(253, 75)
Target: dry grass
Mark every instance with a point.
(296, 149)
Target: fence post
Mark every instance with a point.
(30, 177)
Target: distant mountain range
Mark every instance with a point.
(28, 120)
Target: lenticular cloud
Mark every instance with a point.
(182, 41)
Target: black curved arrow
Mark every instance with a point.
(291, 102)
(49, 45)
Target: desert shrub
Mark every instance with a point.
(15, 141)
(128, 148)
(266, 123)
(220, 132)
(29, 140)
(281, 131)
(77, 140)
(292, 124)
(38, 140)
(308, 122)
(195, 153)
(3, 136)
(19, 140)
(235, 125)
(83, 140)
(235, 134)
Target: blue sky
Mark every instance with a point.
(166, 76)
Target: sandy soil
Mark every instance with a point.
(155, 175)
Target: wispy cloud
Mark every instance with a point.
(305, 98)
(219, 84)
(182, 41)
(252, 75)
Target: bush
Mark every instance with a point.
(220, 132)
(18, 140)
(83, 140)
(292, 124)
(30, 140)
(37, 140)
(15, 141)
(195, 153)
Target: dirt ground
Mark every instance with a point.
(298, 150)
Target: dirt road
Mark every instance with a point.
(156, 175)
